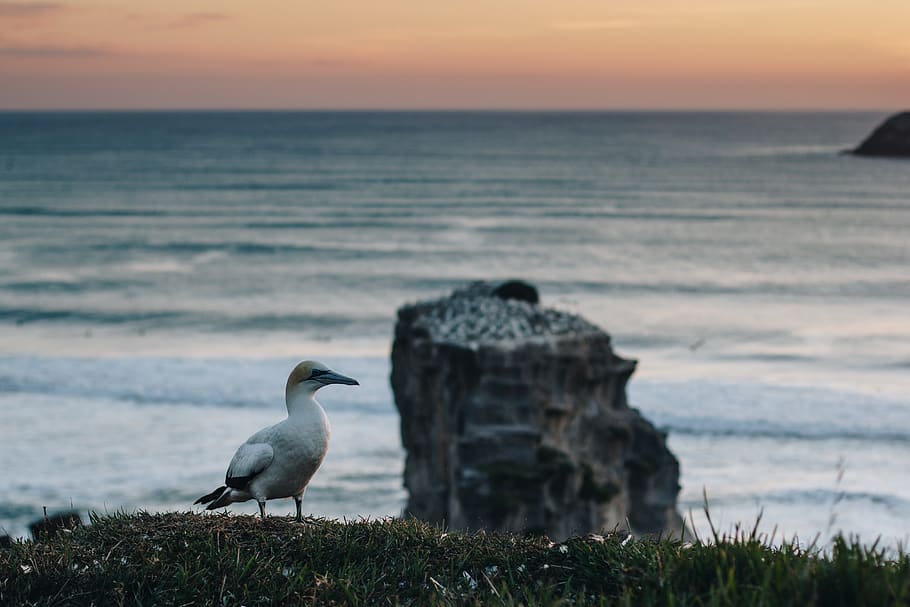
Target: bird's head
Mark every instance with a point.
(310, 375)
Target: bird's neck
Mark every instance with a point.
(302, 403)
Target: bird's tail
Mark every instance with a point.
(218, 498)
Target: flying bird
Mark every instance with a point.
(280, 460)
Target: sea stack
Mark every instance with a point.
(891, 138)
(514, 418)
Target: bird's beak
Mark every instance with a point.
(337, 378)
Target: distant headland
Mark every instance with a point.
(891, 138)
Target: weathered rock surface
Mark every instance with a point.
(515, 418)
(891, 138)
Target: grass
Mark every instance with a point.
(192, 559)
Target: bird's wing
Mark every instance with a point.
(250, 460)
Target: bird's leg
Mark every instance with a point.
(298, 501)
(262, 508)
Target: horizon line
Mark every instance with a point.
(490, 110)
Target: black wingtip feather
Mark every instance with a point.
(223, 500)
(208, 497)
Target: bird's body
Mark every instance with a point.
(279, 461)
(291, 450)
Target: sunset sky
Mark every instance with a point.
(523, 54)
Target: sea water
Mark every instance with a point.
(161, 273)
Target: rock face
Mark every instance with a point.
(891, 138)
(515, 418)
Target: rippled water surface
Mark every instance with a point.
(160, 274)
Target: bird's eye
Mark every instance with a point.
(316, 373)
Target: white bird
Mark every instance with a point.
(280, 460)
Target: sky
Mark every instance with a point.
(469, 54)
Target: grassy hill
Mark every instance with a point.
(191, 559)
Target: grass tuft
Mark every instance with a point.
(218, 559)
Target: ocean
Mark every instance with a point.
(162, 272)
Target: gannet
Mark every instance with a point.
(280, 460)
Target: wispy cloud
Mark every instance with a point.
(190, 21)
(28, 9)
(16, 50)
(596, 24)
